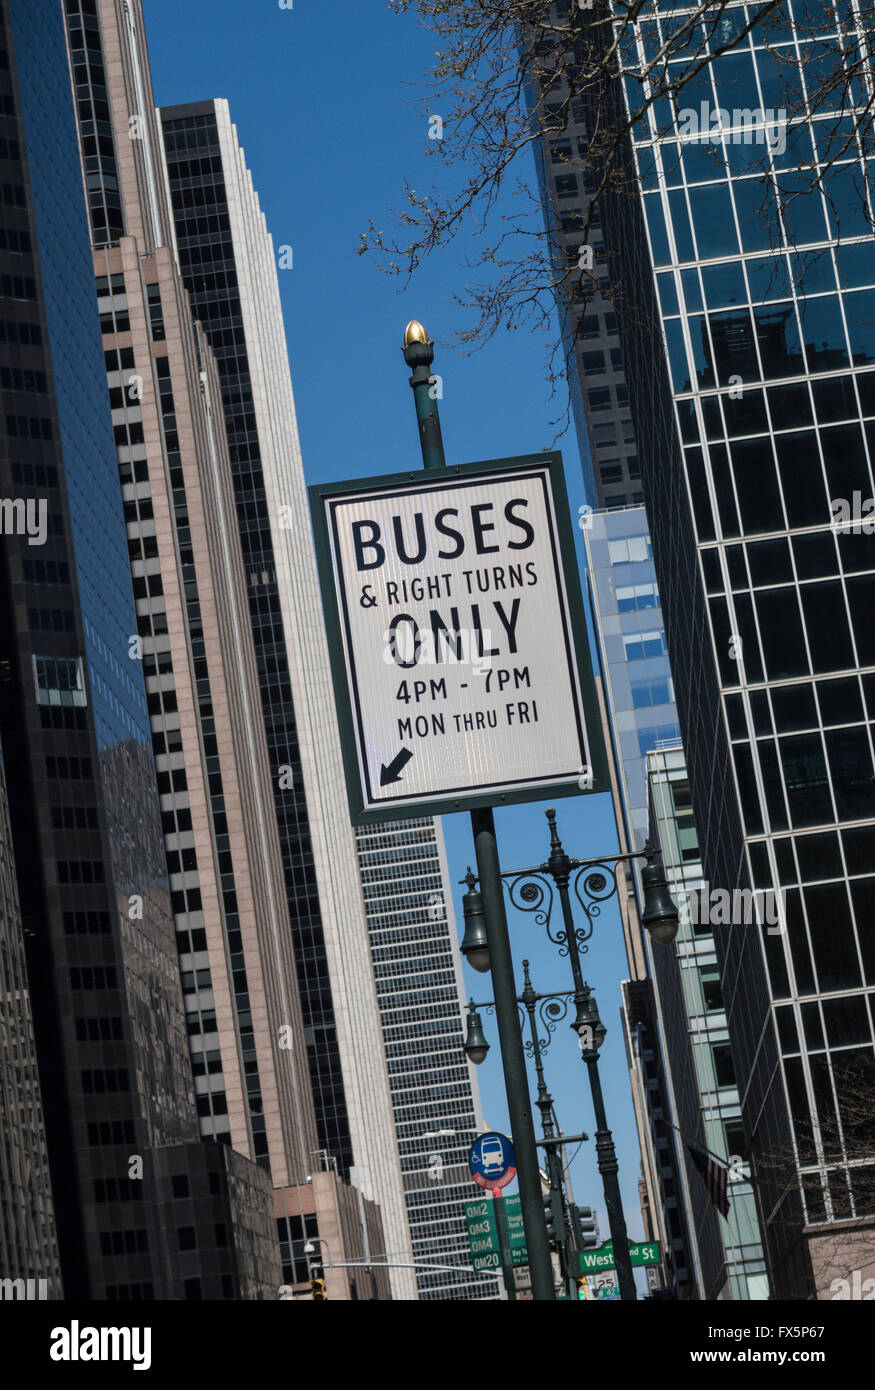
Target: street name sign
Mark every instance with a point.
(458, 643)
(646, 1253)
(483, 1233)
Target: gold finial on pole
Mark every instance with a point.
(415, 333)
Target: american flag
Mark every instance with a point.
(715, 1178)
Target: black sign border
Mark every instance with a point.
(363, 809)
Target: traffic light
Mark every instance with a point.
(550, 1219)
(586, 1228)
(318, 1287)
(580, 1281)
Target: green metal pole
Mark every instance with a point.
(544, 1102)
(419, 356)
(504, 1244)
(559, 867)
(512, 1055)
(606, 1159)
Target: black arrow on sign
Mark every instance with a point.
(392, 773)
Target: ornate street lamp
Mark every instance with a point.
(659, 913)
(476, 1046)
(475, 947)
(544, 1012)
(591, 1031)
(593, 882)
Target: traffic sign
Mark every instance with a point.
(492, 1161)
(606, 1290)
(483, 1233)
(646, 1253)
(458, 643)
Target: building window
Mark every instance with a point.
(655, 734)
(643, 644)
(736, 1144)
(59, 681)
(605, 436)
(724, 1071)
(649, 692)
(711, 991)
(630, 550)
(634, 597)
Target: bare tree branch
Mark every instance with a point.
(510, 73)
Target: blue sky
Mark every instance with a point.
(327, 101)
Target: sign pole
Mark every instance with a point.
(419, 356)
(504, 1244)
(512, 1055)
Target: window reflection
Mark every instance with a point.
(724, 284)
(860, 315)
(801, 209)
(846, 202)
(824, 334)
(757, 212)
(714, 221)
(856, 264)
(768, 278)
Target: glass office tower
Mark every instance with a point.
(638, 683)
(753, 396)
(639, 713)
(28, 1240)
(121, 1128)
(86, 829)
(673, 1010)
(638, 707)
(705, 1099)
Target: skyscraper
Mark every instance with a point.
(28, 1242)
(229, 268)
(84, 813)
(639, 713)
(705, 1099)
(193, 637)
(638, 706)
(673, 1008)
(590, 334)
(195, 644)
(768, 601)
(435, 1096)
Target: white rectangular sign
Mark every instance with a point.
(457, 639)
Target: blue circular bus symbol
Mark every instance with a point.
(492, 1161)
